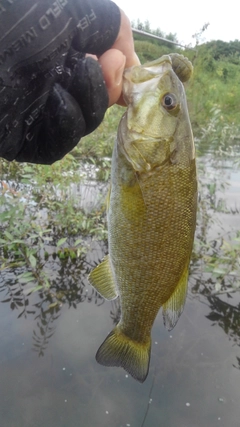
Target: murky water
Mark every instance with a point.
(194, 377)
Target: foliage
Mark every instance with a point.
(220, 49)
(198, 36)
(218, 135)
(215, 265)
(214, 83)
(27, 246)
(148, 51)
(145, 26)
(151, 49)
(56, 208)
(50, 220)
(216, 79)
(68, 285)
(99, 144)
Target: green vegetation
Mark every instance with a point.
(215, 84)
(216, 78)
(45, 219)
(152, 49)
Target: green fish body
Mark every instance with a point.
(151, 212)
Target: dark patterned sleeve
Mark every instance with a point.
(50, 95)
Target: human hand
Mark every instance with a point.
(113, 62)
(51, 95)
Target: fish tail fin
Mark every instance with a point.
(119, 350)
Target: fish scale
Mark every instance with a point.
(151, 212)
(151, 244)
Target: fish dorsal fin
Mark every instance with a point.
(173, 307)
(101, 278)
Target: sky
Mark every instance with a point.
(185, 17)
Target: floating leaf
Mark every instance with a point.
(218, 287)
(25, 280)
(219, 271)
(31, 290)
(78, 241)
(8, 235)
(61, 241)
(54, 304)
(26, 274)
(32, 260)
(28, 169)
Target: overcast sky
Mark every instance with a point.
(185, 17)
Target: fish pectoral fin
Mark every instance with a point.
(119, 350)
(173, 307)
(101, 278)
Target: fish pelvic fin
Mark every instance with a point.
(101, 278)
(119, 350)
(173, 307)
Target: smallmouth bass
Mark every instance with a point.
(151, 211)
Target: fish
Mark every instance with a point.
(151, 211)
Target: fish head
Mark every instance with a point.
(155, 128)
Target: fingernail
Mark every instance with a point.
(119, 72)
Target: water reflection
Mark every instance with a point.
(227, 316)
(69, 286)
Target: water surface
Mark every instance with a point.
(194, 377)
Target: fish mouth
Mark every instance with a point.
(143, 75)
(149, 70)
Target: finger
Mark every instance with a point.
(88, 88)
(113, 63)
(125, 42)
(98, 24)
(106, 27)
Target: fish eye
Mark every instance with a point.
(169, 101)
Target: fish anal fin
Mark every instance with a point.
(101, 278)
(173, 307)
(120, 350)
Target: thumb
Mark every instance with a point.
(113, 63)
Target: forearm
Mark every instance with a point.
(47, 28)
